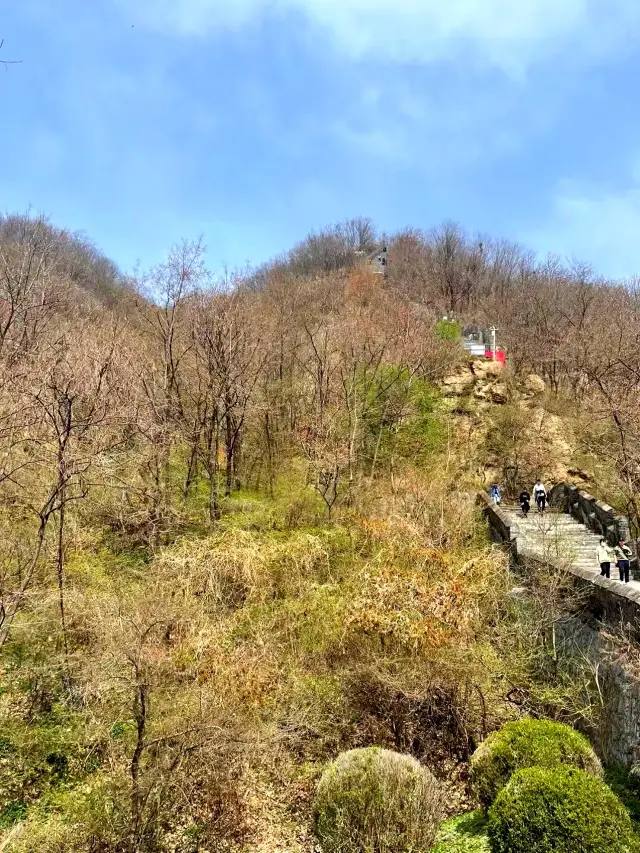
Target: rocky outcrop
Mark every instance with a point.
(458, 384)
(499, 394)
(535, 386)
(486, 369)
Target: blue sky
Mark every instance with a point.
(142, 122)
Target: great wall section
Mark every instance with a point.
(605, 628)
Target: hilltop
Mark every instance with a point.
(36, 253)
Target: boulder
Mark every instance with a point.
(494, 368)
(535, 385)
(484, 368)
(457, 385)
(499, 394)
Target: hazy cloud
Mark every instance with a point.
(509, 35)
(601, 225)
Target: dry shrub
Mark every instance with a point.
(442, 512)
(205, 799)
(196, 722)
(438, 510)
(222, 571)
(435, 713)
(375, 799)
(240, 567)
(419, 598)
(303, 558)
(92, 819)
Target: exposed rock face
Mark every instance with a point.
(480, 376)
(556, 437)
(458, 384)
(579, 474)
(534, 385)
(495, 392)
(483, 368)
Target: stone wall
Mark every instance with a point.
(597, 515)
(589, 635)
(501, 528)
(604, 633)
(616, 734)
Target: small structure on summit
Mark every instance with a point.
(481, 343)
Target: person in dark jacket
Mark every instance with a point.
(525, 502)
(624, 556)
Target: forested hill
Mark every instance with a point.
(35, 250)
(238, 532)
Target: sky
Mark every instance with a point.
(253, 122)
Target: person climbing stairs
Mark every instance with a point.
(560, 539)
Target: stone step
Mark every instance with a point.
(561, 538)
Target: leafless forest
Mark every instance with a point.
(238, 531)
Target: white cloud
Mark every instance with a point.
(508, 34)
(434, 131)
(596, 225)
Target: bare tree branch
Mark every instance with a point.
(8, 62)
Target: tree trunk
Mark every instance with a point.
(10, 614)
(192, 469)
(60, 563)
(270, 451)
(228, 422)
(140, 711)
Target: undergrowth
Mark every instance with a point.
(208, 676)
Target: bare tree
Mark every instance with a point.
(229, 346)
(73, 401)
(172, 284)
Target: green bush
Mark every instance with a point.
(527, 743)
(625, 784)
(400, 418)
(377, 800)
(448, 330)
(558, 810)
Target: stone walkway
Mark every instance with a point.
(559, 539)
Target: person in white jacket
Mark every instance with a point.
(540, 496)
(605, 556)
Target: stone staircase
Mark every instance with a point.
(558, 538)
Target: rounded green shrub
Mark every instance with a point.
(377, 800)
(527, 743)
(558, 810)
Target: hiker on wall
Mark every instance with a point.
(495, 495)
(540, 496)
(624, 555)
(605, 556)
(525, 502)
